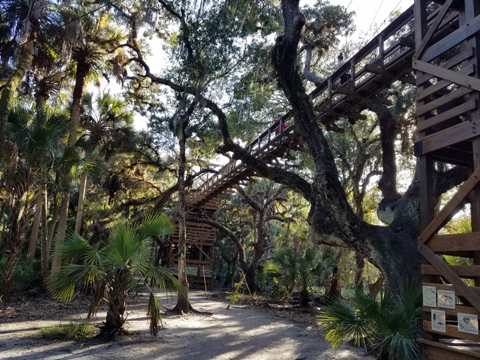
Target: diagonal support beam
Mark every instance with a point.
(428, 36)
(442, 73)
(450, 275)
(447, 211)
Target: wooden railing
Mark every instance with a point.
(382, 61)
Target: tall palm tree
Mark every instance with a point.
(98, 42)
(109, 126)
(23, 19)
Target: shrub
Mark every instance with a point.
(389, 326)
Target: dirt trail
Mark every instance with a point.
(240, 332)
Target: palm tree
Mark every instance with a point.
(23, 19)
(291, 269)
(389, 326)
(111, 269)
(109, 127)
(36, 136)
(98, 42)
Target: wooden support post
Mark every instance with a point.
(472, 9)
(420, 11)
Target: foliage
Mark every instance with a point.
(389, 326)
(291, 268)
(110, 270)
(26, 276)
(71, 331)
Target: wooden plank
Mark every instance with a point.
(468, 70)
(447, 115)
(420, 17)
(441, 101)
(378, 70)
(448, 351)
(455, 242)
(447, 211)
(448, 137)
(433, 27)
(448, 274)
(463, 271)
(425, 176)
(453, 39)
(447, 74)
(450, 63)
(451, 330)
(454, 312)
(451, 287)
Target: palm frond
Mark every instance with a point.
(97, 299)
(162, 277)
(155, 224)
(62, 284)
(74, 245)
(341, 321)
(123, 245)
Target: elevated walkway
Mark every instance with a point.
(435, 46)
(385, 59)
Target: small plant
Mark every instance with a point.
(291, 269)
(389, 326)
(71, 331)
(110, 269)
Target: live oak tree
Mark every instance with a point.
(390, 247)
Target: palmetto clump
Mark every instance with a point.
(111, 269)
(389, 326)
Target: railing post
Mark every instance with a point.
(330, 89)
(381, 49)
(352, 72)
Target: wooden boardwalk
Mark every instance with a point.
(385, 59)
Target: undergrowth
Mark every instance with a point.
(71, 331)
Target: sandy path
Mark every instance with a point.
(237, 333)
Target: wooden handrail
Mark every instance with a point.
(361, 68)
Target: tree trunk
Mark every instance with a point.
(81, 202)
(359, 266)
(117, 304)
(7, 94)
(334, 289)
(391, 248)
(13, 243)
(252, 277)
(44, 242)
(32, 244)
(183, 305)
(83, 68)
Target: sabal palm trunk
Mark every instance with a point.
(32, 244)
(117, 305)
(83, 68)
(81, 202)
(7, 94)
(13, 243)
